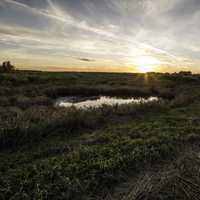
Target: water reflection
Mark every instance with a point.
(98, 101)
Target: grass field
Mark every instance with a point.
(48, 152)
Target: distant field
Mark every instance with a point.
(48, 152)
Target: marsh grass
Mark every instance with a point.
(59, 153)
(20, 126)
(89, 169)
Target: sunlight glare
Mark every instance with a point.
(146, 63)
(145, 69)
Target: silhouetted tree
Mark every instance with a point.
(7, 67)
(185, 73)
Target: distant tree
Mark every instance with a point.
(185, 73)
(7, 67)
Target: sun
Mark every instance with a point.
(146, 63)
(145, 68)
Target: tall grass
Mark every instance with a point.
(20, 127)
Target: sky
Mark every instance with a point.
(101, 35)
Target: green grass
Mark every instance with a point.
(57, 153)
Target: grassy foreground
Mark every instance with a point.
(57, 153)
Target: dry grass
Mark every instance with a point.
(180, 180)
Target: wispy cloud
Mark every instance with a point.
(56, 13)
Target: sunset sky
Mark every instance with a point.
(101, 35)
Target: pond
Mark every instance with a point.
(98, 101)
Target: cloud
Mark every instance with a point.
(86, 59)
(56, 13)
(113, 32)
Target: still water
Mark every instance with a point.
(98, 101)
